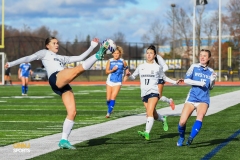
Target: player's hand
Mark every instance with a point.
(179, 81)
(94, 42)
(128, 74)
(213, 76)
(6, 65)
(114, 68)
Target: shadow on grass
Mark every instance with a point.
(211, 142)
(171, 135)
(95, 142)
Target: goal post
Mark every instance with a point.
(2, 68)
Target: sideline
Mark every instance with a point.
(225, 83)
(43, 145)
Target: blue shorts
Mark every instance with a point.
(52, 81)
(145, 98)
(161, 81)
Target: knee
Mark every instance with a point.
(182, 123)
(72, 113)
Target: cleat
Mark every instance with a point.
(144, 135)
(180, 142)
(108, 115)
(65, 144)
(165, 125)
(102, 51)
(189, 141)
(172, 105)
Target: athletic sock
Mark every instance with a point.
(181, 130)
(111, 106)
(160, 118)
(23, 89)
(89, 62)
(196, 128)
(107, 102)
(149, 124)
(67, 128)
(165, 99)
(26, 89)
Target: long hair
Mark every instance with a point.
(48, 40)
(152, 47)
(209, 54)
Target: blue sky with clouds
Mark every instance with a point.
(97, 18)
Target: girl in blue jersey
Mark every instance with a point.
(115, 69)
(202, 79)
(23, 73)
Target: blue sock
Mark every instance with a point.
(111, 106)
(23, 89)
(108, 101)
(26, 89)
(181, 131)
(196, 128)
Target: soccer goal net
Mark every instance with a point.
(2, 69)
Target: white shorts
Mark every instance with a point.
(113, 83)
(195, 104)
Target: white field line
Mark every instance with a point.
(49, 143)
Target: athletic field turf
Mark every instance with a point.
(42, 113)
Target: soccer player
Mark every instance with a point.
(115, 69)
(59, 78)
(150, 72)
(23, 74)
(202, 79)
(7, 76)
(161, 82)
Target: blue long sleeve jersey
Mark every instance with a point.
(202, 74)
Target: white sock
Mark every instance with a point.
(67, 128)
(165, 99)
(89, 62)
(160, 118)
(149, 124)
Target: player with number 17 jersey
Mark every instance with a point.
(149, 75)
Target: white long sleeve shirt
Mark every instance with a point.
(52, 61)
(149, 74)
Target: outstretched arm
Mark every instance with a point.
(194, 83)
(36, 56)
(70, 59)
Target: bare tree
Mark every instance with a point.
(233, 21)
(119, 37)
(145, 38)
(158, 32)
(182, 29)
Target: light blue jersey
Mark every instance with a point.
(116, 76)
(203, 74)
(25, 69)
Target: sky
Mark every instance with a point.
(97, 18)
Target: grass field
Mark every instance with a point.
(42, 113)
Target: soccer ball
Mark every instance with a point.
(111, 47)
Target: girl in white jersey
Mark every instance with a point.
(59, 78)
(115, 69)
(161, 83)
(202, 79)
(150, 72)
